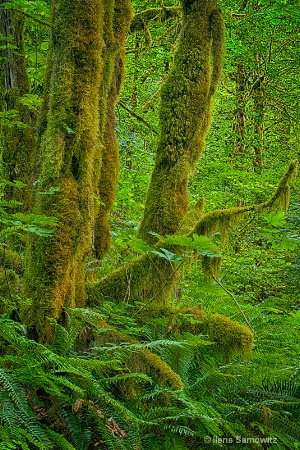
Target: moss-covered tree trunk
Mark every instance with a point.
(70, 154)
(184, 120)
(184, 116)
(18, 133)
(117, 21)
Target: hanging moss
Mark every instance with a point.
(19, 135)
(224, 219)
(281, 197)
(151, 279)
(141, 20)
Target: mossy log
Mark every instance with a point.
(227, 336)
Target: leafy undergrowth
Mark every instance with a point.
(91, 388)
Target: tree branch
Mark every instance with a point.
(138, 117)
(141, 20)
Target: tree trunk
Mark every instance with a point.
(184, 119)
(239, 126)
(18, 130)
(116, 26)
(70, 152)
(258, 95)
(184, 116)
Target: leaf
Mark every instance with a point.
(33, 101)
(50, 191)
(200, 243)
(166, 254)
(276, 219)
(39, 231)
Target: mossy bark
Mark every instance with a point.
(151, 279)
(184, 116)
(69, 157)
(18, 137)
(116, 23)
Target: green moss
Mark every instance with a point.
(116, 26)
(184, 120)
(224, 219)
(141, 20)
(192, 218)
(70, 155)
(9, 259)
(149, 279)
(281, 196)
(229, 337)
(164, 372)
(76, 136)
(50, 276)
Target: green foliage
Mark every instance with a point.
(14, 223)
(72, 387)
(92, 387)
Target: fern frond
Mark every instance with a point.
(15, 391)
(80, 430)
(60, 440)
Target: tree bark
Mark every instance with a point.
(18, 135)
(258, 94)
(116, 26)
(184, 116)
(71, 150)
